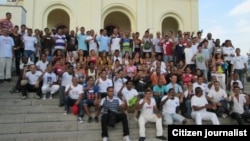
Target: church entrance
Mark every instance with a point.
(170, 24)
(58, 18)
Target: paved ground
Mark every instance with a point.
(43, 120)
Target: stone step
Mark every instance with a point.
(30, 109)
(28, 102)
(55, 123)
(92, 135)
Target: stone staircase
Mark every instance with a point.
(43, 120)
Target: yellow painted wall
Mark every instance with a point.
(91, 14)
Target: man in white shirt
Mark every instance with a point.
(128, 93)
(189, 55)
(200, 83)
(103, 83)
(74, 93)
(66, 80)
(49, 82)
(170, 104)
(113, 107)
(239, 65)
(42, 64)
(218, 97)
(199, 106)
(149, 113)
(30, 81)
(238, 101)
(30, 45)
(115, 40)
(6, 54)
(91, 41)
(119, 81)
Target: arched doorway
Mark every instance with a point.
(170, 24)
(117, 20)
(58, 17)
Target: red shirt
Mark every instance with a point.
(168, 48)
(59, 69)
(186, 78)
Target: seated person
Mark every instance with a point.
(159, 91)
(112, 109)
(170, 104)
(236, 79)
(188, 94)
(149, 113)
(218, 97)
(49, 82)
(91, 98)
(74, 96)
(237, 102)
(30, 81)
(200, 105)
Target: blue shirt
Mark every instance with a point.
(104, 42)
(177, 88)
(81, 42)
(160, 90)
(91, 94)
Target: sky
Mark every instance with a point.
(225, 19)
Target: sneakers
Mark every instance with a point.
(24, 97)
(80, 119)
(142, 139)
(90, 120)
(44, 96)
(224, 115)
(96, 119)
(126, 138)
(104, 139)
(161, 137)
(50, 97)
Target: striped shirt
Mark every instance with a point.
(60, 41)
(5, 24)
(111, 104)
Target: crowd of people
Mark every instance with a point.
(160, 78)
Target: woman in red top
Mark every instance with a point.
(58, 55)
(187, 77)
(93, 57)
(60, 67)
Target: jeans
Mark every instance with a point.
(240, 117)
(29, 54)
(188, 107)
(119, 117)
(240, 72)
(61, 95)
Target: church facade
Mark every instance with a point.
(131, 15)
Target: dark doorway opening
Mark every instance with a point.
(110, 29)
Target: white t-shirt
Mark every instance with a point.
(32, 78)
(239, 82)
(42, 65)
(103, 85)
(199, 101)
(128, 94)
(170, 106)
(22, 65)
(66, 79)
(238, 62)
(49, 78)
(229, 51)
(148, 108)
(75, 92)
(203, 86)
(115, 43)
(29, 42)
(217, 95)
(158, 48)
(238, 105)
(6, 46)
(92, 43)
(118, 84)
(188, 56)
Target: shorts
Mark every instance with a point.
(88, 102)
